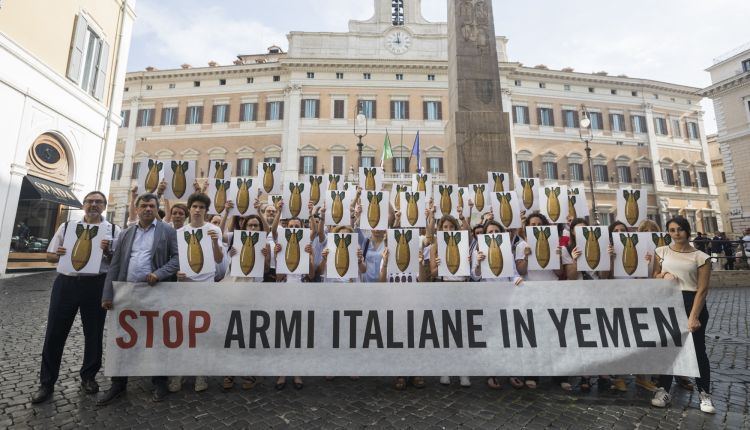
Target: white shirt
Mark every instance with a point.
(59, 239)
(542, 275)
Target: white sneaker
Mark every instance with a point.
(445, 380)
(175, 384)
(200, 384)
(465, 382)
(661, 398)
(707, 405)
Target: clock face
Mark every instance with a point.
(398, 41)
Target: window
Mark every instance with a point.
(116, 171)
(274, 111)
(685, 178)
(435, 164)
(135, 169)
(676, 128)
(250, 80)
(623, 172)
(746, 65)
(244, 167)
(399, 109)
(520, 114)
(517, 83)
(613, 92)
(220, 114)
(310, 108)
(433, 111)
(276, 78)
(566, 87)
(366, 76)
(723, 177)
(368, 108)
(338, 164)
(550, 169)
(525, 169)
(145, 117)
(546, 117)
(656, 96)
(169, 116)
(639, 124)
(400, 164)
(591, 89)
(601, 174)
(660, 126)
(307, 164)
(702, 180)
(605, 218)
(248, 112)
(692, 129)
(570, 118)
(647, 175)
(196, 83)
(194, 115)
(222, 81)
(634, 93)
(399, 76)
(617, 121)
(172, 86)
(710, 224)
(596, 121)
(149, 87)
(667, 175)
(126, 89)
(542, 85)
(397, 12)
(89, 56)
(125, 118)
(576, 171)
(339, 75)
(368, 161)
(338, 109)
(430, 77)
(310, 75)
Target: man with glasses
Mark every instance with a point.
(72, 292)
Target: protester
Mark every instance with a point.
(71, 292)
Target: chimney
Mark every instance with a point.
(186, 66)
(150, 68)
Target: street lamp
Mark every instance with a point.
(360, 130)
(586, 135)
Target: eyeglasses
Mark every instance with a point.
(93, 202)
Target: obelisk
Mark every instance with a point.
(478, 130)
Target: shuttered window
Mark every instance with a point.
(88, 59)
(338, 109)
(248, 112)
(433, 111)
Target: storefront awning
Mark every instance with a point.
(38, 188)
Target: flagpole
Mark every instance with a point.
(401, 149)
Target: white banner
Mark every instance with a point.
(451, 328)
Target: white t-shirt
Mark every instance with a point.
(683, 265)
(542, 275)
(747, 242)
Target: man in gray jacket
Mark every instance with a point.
(147, 252)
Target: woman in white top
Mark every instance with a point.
(680, 262)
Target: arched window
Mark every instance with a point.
(397, 12)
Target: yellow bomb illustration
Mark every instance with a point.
(397, 198)
(152, 178)
(370, 183)
(572, 207)
(268, 181)
(337, 208)
(542, 235)
(194, 250)
(220, 169)
(292, 253)
(446, 205)
(553, 203)
(247, 253)
(179, 183)
(315, 182)
(479, 196)
(81, 253)
(460, 202)
(591, 249)
(403, 254)
(243, 194)
(452, 254)
(412, 210)
(333, 182)
(629, 253)
(295, 200)
(373, 211)
(494, 254)
(220, 198)
(631, 205)
(506, 210)
(661, 239)
(422, 183)
(497, 180)
(341, 261)
(527, 193)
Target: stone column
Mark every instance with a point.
(290, 136)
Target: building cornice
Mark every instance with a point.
(722, 87)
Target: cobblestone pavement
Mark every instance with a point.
(368, 402)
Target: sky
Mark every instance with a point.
(665, 40)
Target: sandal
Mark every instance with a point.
(516, 382)
(228, 383)
(585, 384)
(418, 382)
(249, 382)
(493, 383)
(400, 384)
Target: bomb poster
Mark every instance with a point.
(453, 252)
(274, 198)
(338, 212)
(371, 178)
(83, 252)
(422, 182)
(397, 191)
(318, 185)
(445, 197)
(296, 196)
(479, 195)
(248, 262)
(293, 260)
(218, 191)
(219, 169)
(593, 242)
(413, 204)
(506, 209)
(659, 239)
(342, 256)
(498, 182)
(544, 243)
(374, 210)
(403, 251)
(195, 250)
(463, 198)
(242, 192)
(553, 203)
(335, 181)
(179, 176)
(528, 191)
(578, 206)
(630, 254)
(498, 256)
(150, 174)
(269, 178)
(631, 206)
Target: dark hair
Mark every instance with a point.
(537, 215)
(96, 192)
(161, 213)
(450, 219)
(611, 229)
(302, 224)
(182, 207)
(573, 224)
(490, 222)
(682, 223)
(476, 226)
(200, 198)
(147, 197)
(248, 218)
